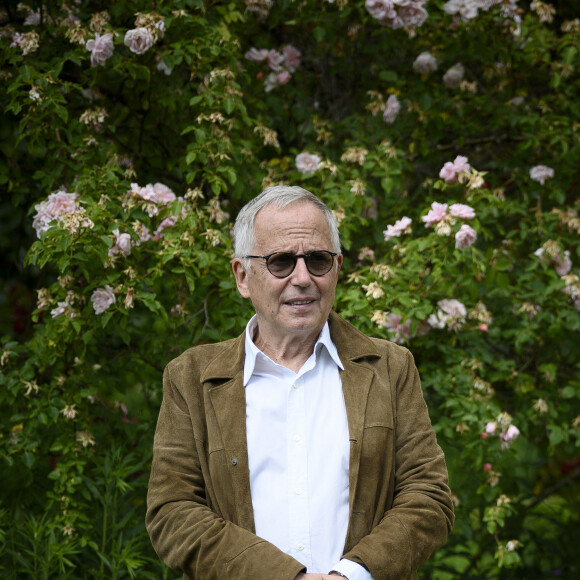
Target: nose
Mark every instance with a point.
(300, 276)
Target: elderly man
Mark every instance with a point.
(303, 448)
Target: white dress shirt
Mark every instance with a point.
(298, 452)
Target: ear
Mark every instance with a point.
(339, 262)
(241, 276)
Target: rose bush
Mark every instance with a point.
(444, 137)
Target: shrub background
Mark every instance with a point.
(191, 103)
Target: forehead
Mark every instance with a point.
(299, 226)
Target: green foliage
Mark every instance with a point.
(163, 146)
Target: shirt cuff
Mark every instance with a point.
(352, 570)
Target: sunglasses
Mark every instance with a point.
(282, 264)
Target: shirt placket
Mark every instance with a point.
(299, 528)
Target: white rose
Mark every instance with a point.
(139, 40)
(102, 298)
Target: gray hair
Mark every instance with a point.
(280, 196)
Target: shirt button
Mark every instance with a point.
(298, 491)
(296, 438)
(234, 461)
(300, 547)
(294, 385)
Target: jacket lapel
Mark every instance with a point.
(228, 399)
(353, 346)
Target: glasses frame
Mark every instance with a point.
(305, 257)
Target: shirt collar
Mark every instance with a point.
(252, 351)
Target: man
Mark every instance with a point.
(302, 449)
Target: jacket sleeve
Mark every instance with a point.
(421, 515)
(186, 533)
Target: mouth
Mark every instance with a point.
(299, 302)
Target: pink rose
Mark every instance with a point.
(467, 10)
(257, 55)
(391, 110)
(465, 237)
(562, 263)
(453, 77)
(540, 173)
(450, 171)
(168, 222)
(401, 329)
(291, 57)
(122, 244)
(413, 14)
(57, 205)
(275, 60)
(102, 298)
(452, 307)
(436, 214)
(380, 9)
(283, 77)
(139, 40)
(397, 229)
(509, 435)
(490, 428)
(462, 211)
(307, 163)
(425, 63)
(101, 48)
(163, 194)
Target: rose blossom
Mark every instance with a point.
(451, 170)
(465, 237)
(462, 211)
(56, 206)
(391, 110)
(425, 63)
(413, 14)
(563, 263)
(139, 40)
(102, 298)
(257, 55)
(508, 436)
(453, 77)
(122, 244)
(451, 314)
(380, 9)
(163, 194)
(540, 173)
(291, 57)
(467, 9)
(402, 330)
(275, 60)
(307, 163)
(397, 229)
(101, 48)
(283, 77)
(436, 214)
(490, 427)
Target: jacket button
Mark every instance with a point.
(234, 461)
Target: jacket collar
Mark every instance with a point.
(351, 344)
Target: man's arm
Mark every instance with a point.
(186, 534)
(421, 516)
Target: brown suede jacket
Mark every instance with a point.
(199, 515)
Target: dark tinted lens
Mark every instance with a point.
(319, 263)
(281, 264)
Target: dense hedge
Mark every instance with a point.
(445, 137)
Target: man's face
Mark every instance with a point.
(299, 304)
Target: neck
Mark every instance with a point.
(291, 352)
